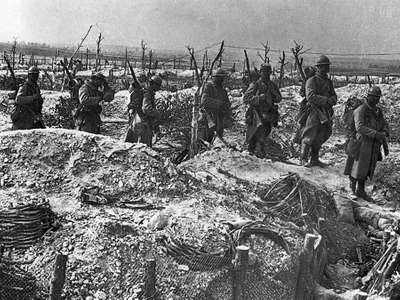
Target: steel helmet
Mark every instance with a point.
(375, 91)
(99, 76)
(220, 73)
(33, 70)
(323, 60)
(156, 80)
(266, 67)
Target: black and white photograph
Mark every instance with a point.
(199, 150)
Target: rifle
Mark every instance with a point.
(247, 63)
(135, 80)
(12, 76)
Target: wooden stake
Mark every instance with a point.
(126, 60)
(98, 42)
(87, 58)
(57, 281)
(282, 69)
(304, 277)
(239, 277)
(144, 46)
(150, 285)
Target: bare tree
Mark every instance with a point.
(282, 68)
(264, 57)
(98, 42)
(297, 50)
(144, 47)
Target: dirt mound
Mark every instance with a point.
(144, 198)
(55, 161)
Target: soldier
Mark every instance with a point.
(262, 114)
(93, 91)
(304, 108)
(364, 144)
(143, 115)
(74, 85)
(27, 113)
(215, 108)
(321, 98)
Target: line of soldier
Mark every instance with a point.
(367, 128)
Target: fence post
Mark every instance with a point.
(239, 273)
(57, 281)
(150, 286)
(304, 284)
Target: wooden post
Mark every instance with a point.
(14, 51)
(87, 58)
(305, 282)
(98, 60)
(150, 285)
(239, 275)
(143, 45)
(126, 60)
(282, 68)
(291, 73)
(57, 281)
(174, 62)
(150, 59)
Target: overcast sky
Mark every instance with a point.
(335, 25)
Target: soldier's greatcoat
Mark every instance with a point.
(262, 114)
(368, 121)
(321, 98)
(88, 114)
(145, 118)
(27, 112)
(215, 107)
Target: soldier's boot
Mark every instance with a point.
(353, 184)
(360, 192)
(305, 151)
(315, 162)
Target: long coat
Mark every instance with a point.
(215, 108)
(368, 122)
(88, 114)
(27, 113)
(262, 110)
(145, 119)
(321, 98)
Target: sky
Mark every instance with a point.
(336, 25)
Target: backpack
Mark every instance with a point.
(352, 146)
(348, 119)
(136, 99)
